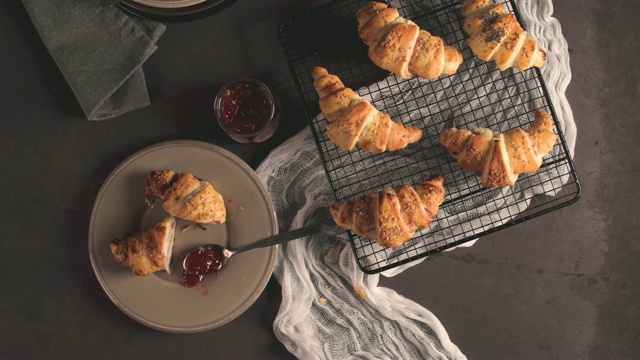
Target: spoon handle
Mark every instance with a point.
(284, 237)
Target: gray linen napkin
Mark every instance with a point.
(99, 50)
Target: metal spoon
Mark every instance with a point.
(226, 254)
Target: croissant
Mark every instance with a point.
(353, 122)
(495, 34)
(498, 158)
(398, 45)
(391, 216)
(147, 251)
(185, 196)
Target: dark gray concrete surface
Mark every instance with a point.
(561, 286)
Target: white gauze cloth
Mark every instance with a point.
(332, 310)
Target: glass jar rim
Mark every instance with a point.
(217, 106)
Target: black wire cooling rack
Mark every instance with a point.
(479, 94)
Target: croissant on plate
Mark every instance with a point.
(498, 158)
(495, 34)
(147, 251)
(185, 196)
(353, 122)
(391, 216)
(398, 45)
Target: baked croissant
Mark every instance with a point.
(147, 251)
(391, 216)
(398, 45)
(185, 196)
(353, 122)
(498, 158)
(495, 34)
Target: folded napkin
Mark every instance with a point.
(332, 310)
(99, 50)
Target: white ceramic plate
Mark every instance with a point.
(159, 300)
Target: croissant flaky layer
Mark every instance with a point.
(352, 122)
(147, 251)
(498, 158)
(185, 196)
(398, 45)
(392, 216)
(495, 34)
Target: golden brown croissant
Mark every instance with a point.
(498, 158)
(398, 45)
(353, 122)
(495, 34)
(185, 196)
(147, 251)
(391, 216)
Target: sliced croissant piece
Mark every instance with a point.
(495, 34)
(391, 216)
(147, 251)
(185, 196)
(353, 122)
(498, 158)
(398, 45)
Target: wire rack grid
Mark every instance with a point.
(477, 95)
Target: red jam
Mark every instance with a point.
(190, 280)
(245, 107)
(201, 261)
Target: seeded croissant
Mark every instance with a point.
(391, 216)
(185, 196)
(495, 34)
(353, 122)
(147, 251)
(398, 45)
(498, 158)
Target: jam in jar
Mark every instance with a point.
(247, 110)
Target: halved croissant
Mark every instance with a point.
(185, 196)
(400, 46)
(495, 34)
(147, 251)
(498, 158)
(353, 122)
(391, 216)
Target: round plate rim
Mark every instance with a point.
(177, 14)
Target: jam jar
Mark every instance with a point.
(247, 110)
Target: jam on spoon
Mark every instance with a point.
(209, 259)
(201, 261)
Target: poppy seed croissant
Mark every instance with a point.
(495, 34)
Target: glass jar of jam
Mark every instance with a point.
(247, 110)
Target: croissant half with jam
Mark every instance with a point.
(391, 216)
(147, 251)
(185, 196)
